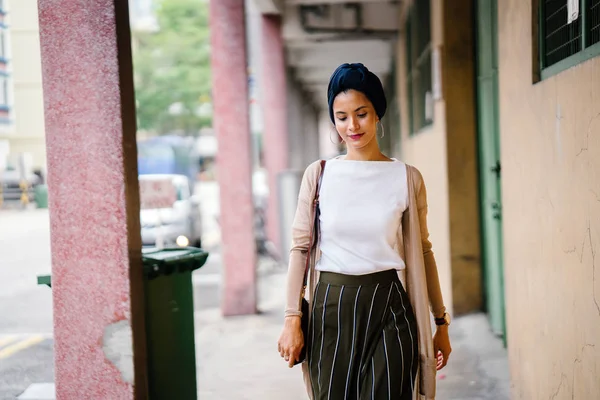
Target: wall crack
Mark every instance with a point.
(587, 136)
(588, 237)
(589, 229)
(569, 251)
(562, 378)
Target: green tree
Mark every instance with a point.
(172, 68)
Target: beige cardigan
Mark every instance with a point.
(421, 275)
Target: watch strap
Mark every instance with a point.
(441, 320)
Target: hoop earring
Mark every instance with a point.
(382, 129)
(331, 140)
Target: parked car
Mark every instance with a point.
(178, 225)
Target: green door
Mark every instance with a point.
(489, 162)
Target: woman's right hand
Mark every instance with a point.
(291, 340)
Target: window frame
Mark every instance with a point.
(585, 53)
(415, 65)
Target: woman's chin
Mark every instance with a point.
(359, 144)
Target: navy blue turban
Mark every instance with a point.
(357, 77)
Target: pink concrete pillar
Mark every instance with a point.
(274, 98)
(94, 204)
(234, 158)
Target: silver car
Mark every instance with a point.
(180, 224)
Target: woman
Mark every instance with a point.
(368, 337)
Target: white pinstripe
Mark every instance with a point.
(322, 335)
(387, 363)
(412, 343)
(373, 379)
(387, 302)
(352, 352)
(401, 351)
(309, 356)
(337, 342)
(365, 344)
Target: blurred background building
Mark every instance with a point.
(21, 97)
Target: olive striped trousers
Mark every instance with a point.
(362, 339)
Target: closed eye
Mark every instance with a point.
(363, 115)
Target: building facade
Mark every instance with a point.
(142, 15)
(549, 116)
(21, 95)
(509, 149)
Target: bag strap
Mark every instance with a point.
(314, 231)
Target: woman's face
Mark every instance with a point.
(355, 119)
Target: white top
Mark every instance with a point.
(361, 205)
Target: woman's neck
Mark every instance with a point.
(372, 154)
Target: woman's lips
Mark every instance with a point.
(356, 137)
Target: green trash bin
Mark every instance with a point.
(41, 196)
(169, 305)
(170, 321)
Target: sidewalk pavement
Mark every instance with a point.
(237, 357)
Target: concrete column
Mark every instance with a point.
(310, 131)
(294, 124)
(274, 114)
(461, 153)
(302, 125)
(94, 203)
(234, 158)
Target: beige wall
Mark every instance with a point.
(550, 138)
(445, 153)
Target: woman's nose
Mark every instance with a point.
(354, 125)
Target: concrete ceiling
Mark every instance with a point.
(269, 6)
(320, 35)
(313, 64)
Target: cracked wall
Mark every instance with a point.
(550, 138)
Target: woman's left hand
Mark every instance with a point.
(441, 346)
